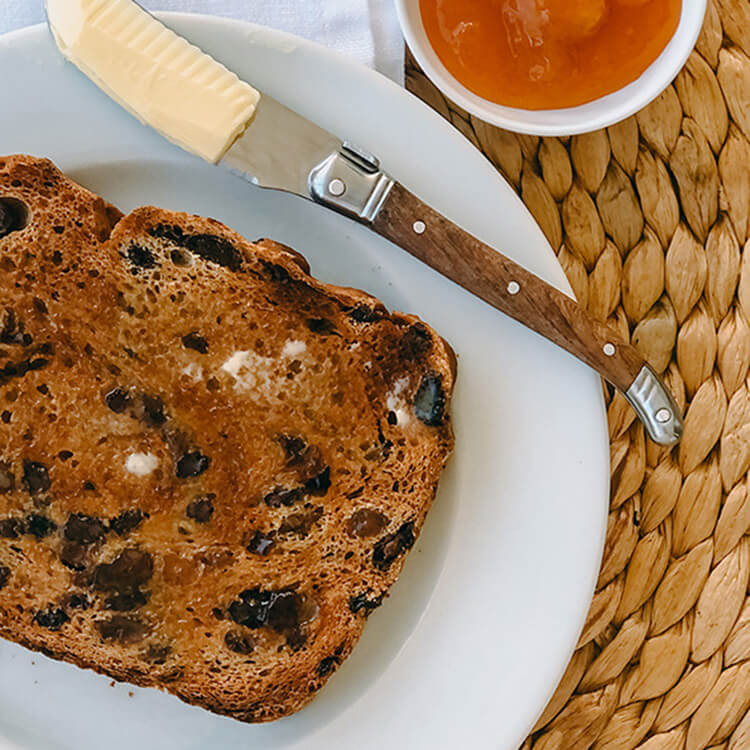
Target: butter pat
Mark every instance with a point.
(141, 464)
(158, 76)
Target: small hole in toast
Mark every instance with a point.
(14, 216)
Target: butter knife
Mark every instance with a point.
(281, 150)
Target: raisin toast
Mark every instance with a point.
(212, 465)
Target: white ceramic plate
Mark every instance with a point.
(470, 645)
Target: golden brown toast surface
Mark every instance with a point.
(212, 465)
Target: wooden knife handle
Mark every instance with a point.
(429, 236)
(426, 234)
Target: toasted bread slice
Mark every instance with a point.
(212, 465)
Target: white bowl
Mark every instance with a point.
(591, 116)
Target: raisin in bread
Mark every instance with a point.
(212, 465)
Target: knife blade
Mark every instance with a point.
(281, 150)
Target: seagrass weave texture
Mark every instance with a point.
(651, 222)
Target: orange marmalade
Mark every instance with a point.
(548, 54)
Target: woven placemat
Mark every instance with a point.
(650, 219)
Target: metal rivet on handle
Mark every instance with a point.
(514, 287)
(336, 187)
(609, 349)
(663, 416)
(419, 227)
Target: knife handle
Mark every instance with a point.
(426, 234)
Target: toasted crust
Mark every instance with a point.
(212, 466)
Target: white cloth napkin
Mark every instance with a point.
(366, 30)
